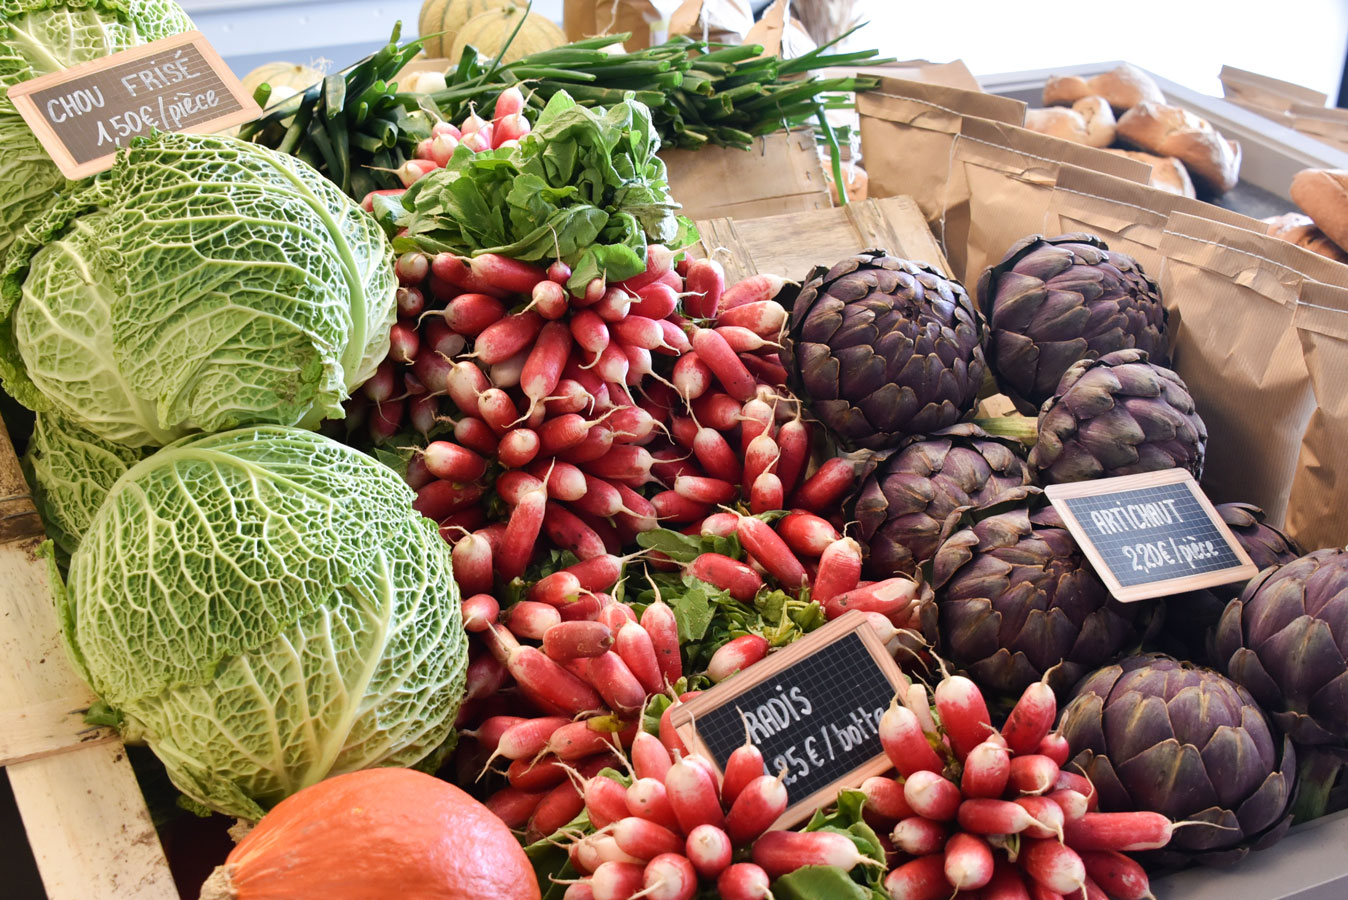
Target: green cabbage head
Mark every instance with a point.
(200, 284)
(71, 471)
(38, 37)
(264, 608)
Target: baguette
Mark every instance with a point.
(1300, 230)
(1322, 194)
(1212, 160)
(1090, 121)
(1123, 88)
(1167, 173)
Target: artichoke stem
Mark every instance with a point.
(989, 386)
(1022, 428)
(1317, 769)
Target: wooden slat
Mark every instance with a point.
(791, 245)
(85, 817)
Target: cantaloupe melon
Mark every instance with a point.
(489, 32)
(440, 21)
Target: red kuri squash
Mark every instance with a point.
(377, 834)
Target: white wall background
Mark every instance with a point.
(1187, 41)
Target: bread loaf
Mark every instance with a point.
(1212, 160)
(1322, 194)
(1123, 88)
(1167, 173)
(1301, 230)
(1090, 121)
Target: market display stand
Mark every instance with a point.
(82, 808)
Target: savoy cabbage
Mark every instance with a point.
(264, 608)
(200, 284)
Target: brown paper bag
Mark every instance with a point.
(999, 188)
(586, 18)
(908, 133)
(719, 21)
(1232, 295)
(1317, 510)
(781, 174)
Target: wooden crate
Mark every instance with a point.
(82, 808)
(790, 245)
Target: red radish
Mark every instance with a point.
(513, 806)
(650, 759)
(1048, 817)
(528, 738)
(578, 890)
(672, 507)
(622, 462)
(617, 880)
(1055, 866)
(432, 370)
(521, 534)
(884, 797)
(489, 733)
(984, 816)
(591, 294)
(590, 332)
(1056, 748)
(683, 430)
(496, 408)
(691, 377)
(536, 774)
(794, 440)
(654, 301)
(564, 432)
(920, 879)
(559, 272)
(709, 849)
(502, 340)
(471, 314)
(508, 103)
(637, 513)
(543, 679)
(442, 148)
(824, 490)
(659, 622)
(448, 128)
(1125, 832)
(692, 793)
(412, 171)
(476, 434)
(705, 283)
(632, 425)
(639, 331)
(755, 418)
(465, 520)
(411, 302)
(613, 306)
(485, 677)
(674, 339)
(603, 848)
(479, 610)
(404, 343)
(555, 590)
(452, 462)
(471, 123)
(734, 655)
(1073, 804)
(719, 524)
(986, 770)
(766, 369)
(905, 744)
(1006, 884)
(1033, 774)
(380, 387)
(615, 615)
(766, 494)
(771, 551)
(386, 418)
(471, 561)
(454, 270)
(964, 714)
(968, 862)
(668, 736)
(543, 369)
(760, 803)
(1118, 875)
(759, 456)
(442, 498)
(530, 620)
(648, 799)
(518, 447)
(839, 569)
(577, 640)
(919, 836)
(754, 289)
(741, 339)
(633, 645)
(599, 573)
(670, 876)
(507, 374)
(511, 275)
(1030, 719)
(643, 838)
(744, 881)
(585, 609)
(500, 643)
(718, 411)
(512, 486)
(367, 203)
(616, 683)
(606, 802)
(612, 364)
(806, 533)
(724, 363)
(569, 397)
(780, 852)
(766, 318)
(577, 740)
(464, 383)
(509, 128)
(424, 414)
(932, 795)
(730, 575)
(549, 298)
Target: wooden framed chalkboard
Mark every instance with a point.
(1151, 535)
(84, 114)
(812, 708)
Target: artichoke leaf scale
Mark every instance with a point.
(1297, 658)
(1169, 777)
(1061, 317)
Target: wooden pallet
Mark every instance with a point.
(82, 809)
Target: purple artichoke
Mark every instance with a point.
(881, 348)
(904, 502)
(1053, 301)
(1153, 733)
(1016, 598)
(1117, 415)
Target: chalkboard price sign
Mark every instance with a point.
(84, 114)
(812, 708)
(1151, 535)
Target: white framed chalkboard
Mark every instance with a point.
(812, 708)
(1151, 535)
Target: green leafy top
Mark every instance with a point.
(831, 882)
(584, 186)
(201, 283)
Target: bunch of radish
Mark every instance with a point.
(978, 812)
(677, 826)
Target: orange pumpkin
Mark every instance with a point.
(375, 834)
